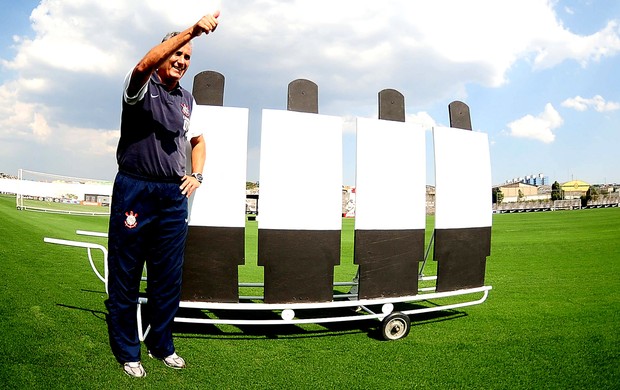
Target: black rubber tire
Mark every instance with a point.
(395, 326)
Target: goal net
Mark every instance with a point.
(48, 192)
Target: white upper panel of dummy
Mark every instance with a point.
(220, 200)
(462, 179)
(390, 184)
(300, 171)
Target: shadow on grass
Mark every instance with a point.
(370, 326)
(101, 315)
(352, 322)
(94, 291)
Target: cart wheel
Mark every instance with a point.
(395, 326)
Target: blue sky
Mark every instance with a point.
(541, 77)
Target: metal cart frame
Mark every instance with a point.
(394, 324)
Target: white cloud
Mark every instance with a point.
(40, 128)
(29, 123)
(88, 142)
(560, 44)
(34, 85)
(348, 45)
(577, 103)
(539, 127)
(69, 70)
(598, 103)
(15, 116)
(422, 118)
(95, 37)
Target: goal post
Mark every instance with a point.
(46, 192)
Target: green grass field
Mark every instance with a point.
(552, 320)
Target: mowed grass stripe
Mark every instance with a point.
(551, 320)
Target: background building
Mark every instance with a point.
(574, 189)
(518, 192)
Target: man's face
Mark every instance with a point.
(171, 71)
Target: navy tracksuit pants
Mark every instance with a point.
(148, 223)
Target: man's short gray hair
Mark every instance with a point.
(170, 35)
(173, 34)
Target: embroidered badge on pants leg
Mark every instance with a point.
(132, 219)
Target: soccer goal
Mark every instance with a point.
(46, 192)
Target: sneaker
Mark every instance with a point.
(172, 361)
(134, 369)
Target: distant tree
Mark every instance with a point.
(556, 191)
(250, 185)
(498, 195)
(520, 195)
(594, 192)
(590, 194)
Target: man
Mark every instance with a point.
(148, 220)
